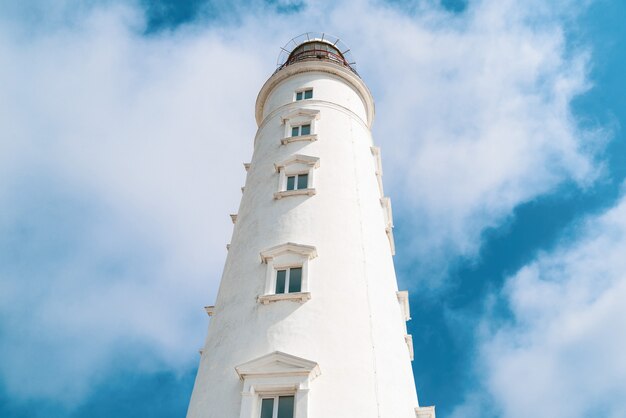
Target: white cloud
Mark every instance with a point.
(562, 353)
(477, 108)
(144, 136)
(121, 158)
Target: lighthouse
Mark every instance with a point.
(308, 321)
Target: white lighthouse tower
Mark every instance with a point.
(308, 321)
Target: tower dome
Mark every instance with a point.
(314, 46)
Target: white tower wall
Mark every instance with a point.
(350, 322)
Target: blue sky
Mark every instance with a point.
(501, 129)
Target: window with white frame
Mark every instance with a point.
(287, 276)
(304, 94)
(301, 130)
(297, 181)
(288, 280)
(295, 176)
(300, 125)
(276, 385)
(278, 406)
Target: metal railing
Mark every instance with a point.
(335, 52)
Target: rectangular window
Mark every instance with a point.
(301, 130)
(306, 94)
(289, 280)
(278, 407)
(298, 182)
(281, 279)
(295, 279)
(285, 406)
(267, 408)
(303, 181)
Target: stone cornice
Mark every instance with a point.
(320, 67)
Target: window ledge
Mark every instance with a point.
(311, 138)
(296, 297)
(425, 412)
(409, 343)
(392, 243)
(285, 193)
(403, 299)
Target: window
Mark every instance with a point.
(277, 407)
(287, 276)
(276, 385)
(301, 130)
(305, 94)
(296, 176)
(289, 280)
(300, 125)
(298, 182)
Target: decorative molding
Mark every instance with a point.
(377, 161)
(295, 297)
(246, 166)
(385, 202)
(307, 251)
(425, 412)
(317, 103)
(227, 247)
(242, 189)
(233, 217)
(278, 364)
(409, 343)
(275, 374)
(378, 169)
(298, 117)
(285, 193)
(297, 164)
(306, 160)
(315, 66)
(301, 113)
(284, 256)
(403, 298)
(392, 243)
(210, 310)
(290, 139)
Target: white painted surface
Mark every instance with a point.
(351, 326)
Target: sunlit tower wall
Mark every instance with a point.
(308, 321)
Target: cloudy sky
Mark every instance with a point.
(123, 126)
